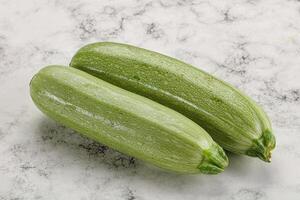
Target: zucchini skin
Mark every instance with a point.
(127, 122)
(233, 120)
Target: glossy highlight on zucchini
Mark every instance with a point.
(124, 121)
(234, 121)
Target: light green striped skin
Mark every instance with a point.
(234, 121)
(127, 122)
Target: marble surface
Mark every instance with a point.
(253, 44)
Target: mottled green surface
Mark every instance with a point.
(125, 121)
(233, 120)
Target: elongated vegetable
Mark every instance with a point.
(125, 121)
(233, 120)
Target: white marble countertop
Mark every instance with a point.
(253, 44)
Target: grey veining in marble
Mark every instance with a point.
(253, 44)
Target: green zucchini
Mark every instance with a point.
(127, 122)
(233, 120)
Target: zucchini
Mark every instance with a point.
(124, 121)
(233, 120)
